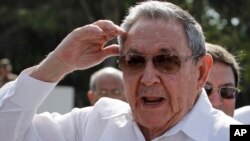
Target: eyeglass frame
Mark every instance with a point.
(109, 92)
(236, 93)
(147, 58)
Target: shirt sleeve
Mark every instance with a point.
(19, 101)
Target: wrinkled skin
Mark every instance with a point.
(179, 91)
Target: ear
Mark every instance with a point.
(205, 65)
(91, 97)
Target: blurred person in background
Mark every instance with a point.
(6, 74)
(106, 82)
(223, 81)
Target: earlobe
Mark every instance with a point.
(204, 68)
(90, 96)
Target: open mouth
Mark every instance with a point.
(152, 100)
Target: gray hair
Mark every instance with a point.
(5, 63)
(104, 71)
(155, 10)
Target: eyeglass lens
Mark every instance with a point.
(165, 63)
(109, 92)
(225, 92)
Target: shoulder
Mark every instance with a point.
(103, 108)
(223, 119)
(242, 110)
(221, 125)
(242, 114)
(111, 107)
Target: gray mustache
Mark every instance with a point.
(144, 91)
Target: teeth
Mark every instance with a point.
(151, 103)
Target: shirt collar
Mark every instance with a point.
(197, 122)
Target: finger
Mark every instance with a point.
(112, 50)
(109, 27)
(94, 33)
(88, 32)
(110, 30)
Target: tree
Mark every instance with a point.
(31, 29)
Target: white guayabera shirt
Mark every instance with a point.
(108, 120)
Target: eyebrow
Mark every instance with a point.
(132, 50)
(162, 50)
(230, 84)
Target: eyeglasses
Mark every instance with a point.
(165, 63)
(226, 92)
(109, 92)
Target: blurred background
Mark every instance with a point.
(30, 29)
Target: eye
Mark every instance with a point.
(132, 63)
(117, 92)
(228, 92)
(167, 63)
(104, 92)
(135, 60)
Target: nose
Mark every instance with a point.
(215, 98)
(150, 75)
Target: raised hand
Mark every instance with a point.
(84, 47)
(81, 49)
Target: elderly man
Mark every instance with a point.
(106, 82)
(165, 67)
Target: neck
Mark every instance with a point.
(149, 134)
(146, 133)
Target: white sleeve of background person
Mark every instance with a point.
(242, 114)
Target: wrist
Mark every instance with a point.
(51, 69)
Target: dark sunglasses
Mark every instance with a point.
(226, 92)
(165, 63)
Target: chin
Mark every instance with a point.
(152, 121)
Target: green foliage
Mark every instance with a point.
(31, 29)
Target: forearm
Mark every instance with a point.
(51, 69)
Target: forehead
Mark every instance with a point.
(154, 36)
(221, 74)
(109, 81)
